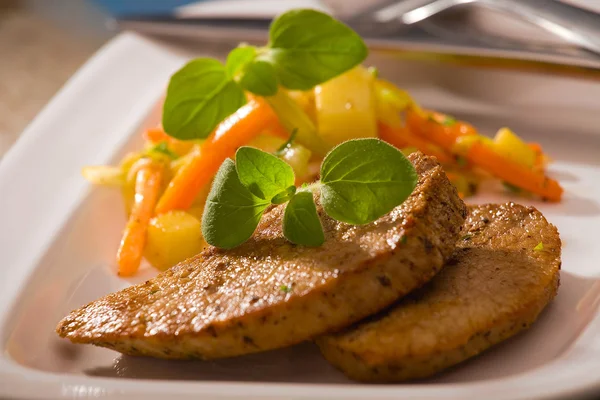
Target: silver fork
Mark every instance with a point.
(575, 25)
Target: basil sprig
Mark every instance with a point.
(197, 96)
(361, 180)
(232, 211)
(306, 48)
(365, 181)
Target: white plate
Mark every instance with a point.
(59, 235)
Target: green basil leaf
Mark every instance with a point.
(449, 121)
(363, 179)
(199, 97)
(285, 288)
(232, 212)
(163, 148)
(285, 196)
(259, 78)
(262, 173)
(308, 47)
(301, 224)
(238, 58)
(288, 143)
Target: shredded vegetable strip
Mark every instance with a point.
(103, 175)
(515, 174)
(541, 159)
(156, 135)
(147, 187)
(235, 131)
(401, 137)
(293, 117)
(439, 128)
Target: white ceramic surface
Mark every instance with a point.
(58, 236)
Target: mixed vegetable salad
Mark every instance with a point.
(296, 98)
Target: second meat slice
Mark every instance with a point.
(503, 273)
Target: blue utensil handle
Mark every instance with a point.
(142, 8)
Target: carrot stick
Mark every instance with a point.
(235, 131)
(438, 128)
(156, 135)
(541, 159)
(513, 173)
(181, 147)
(275, 129)
(401, 137)
(147, 187)
(535, 147)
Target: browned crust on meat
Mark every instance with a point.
(226, 303)
(495, 286)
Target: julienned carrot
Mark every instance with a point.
(439, 128)
(402, 137)
(515, 174)
(235, 131)
(535, 147)
(275, 128)
(539, 164)
(156, 135)
(147, 187)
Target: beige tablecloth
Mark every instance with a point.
(39, 50)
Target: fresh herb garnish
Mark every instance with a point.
(259, 77)
(238, 58)
(365, 179)
(373, 71)
(199, 96)
(301, 222)
(468, 236)
(306, 48)
(361, 180)
(284, 196)
(232, 211)
(285, 288)
(462, 161)
(163, 148)
(448, 121)
(264, 174)
(288, 143)
(511, 188)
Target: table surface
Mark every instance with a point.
(42, 43)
